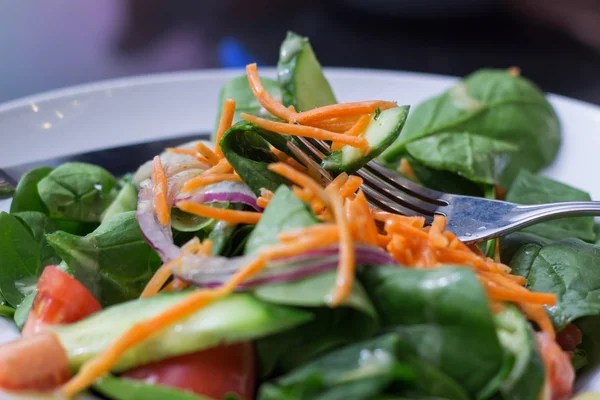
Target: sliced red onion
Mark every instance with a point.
(158, 236)
(221, 192)
(214, 271)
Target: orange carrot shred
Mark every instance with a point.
(407, 170)
(307, 131)
(188, 152)
(233, 216)
(350, 187)
(208, 153)
(222, 167)
(264, 98)
(342, 110)
(160, 189)
(356, 130)
(224, 123)
(208, 179)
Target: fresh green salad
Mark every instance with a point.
(228, 269)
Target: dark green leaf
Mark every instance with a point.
(303, 84)
(27, 198)
(529, 188)
(567, 268)
(443, 181)
(444, 314)
(239, 90)
(40, 225)
(23, 309)
(128, 389)
(495, 105)
(19, 258)
(249, 154)
(512, 243)
(477, 158)
(284, 212)
(114, 262)
(589, 349)
(77, 191)
(364, 370)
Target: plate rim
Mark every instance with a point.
(194, 75)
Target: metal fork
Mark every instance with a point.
(472, 219)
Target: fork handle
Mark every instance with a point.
(532, 214)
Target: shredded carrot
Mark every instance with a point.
(407, 170)
(307, 131)
(264, 98)
(347, 262)
(164, 272)
(224, 123)
(208, 179)
(188, 152)
(208, 153)
(350, 187)
(339, 125)
(342, 110)
(265, 197)
(499, 293)
(318, 229)
(222, 167)
(356, 130)
(233, 216)
(359, 215)
(338, 182)
(175, 285)
(160, 189)
(537, 313)
(300, 179)
(287, 159)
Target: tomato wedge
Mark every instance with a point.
(213, 372)
(60, 299)
(35, 363)
(559, 370)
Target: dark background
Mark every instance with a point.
(51, 44)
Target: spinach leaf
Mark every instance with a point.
(284, 212)
(126, 200)
(589, 349)
(129, 389)
(477, 158)
(19, 258)
(492, 104)
(26, 197)
(239, 90)
(40, 225)
(364, 370)
(114, 262)
(23, 309)
(529, 188)
(77, 191)
(220, 235)
(512, 243)
(249, 154)
(569, 269)
(444, 315)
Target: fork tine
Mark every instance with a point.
(383, 203)
(421, 204)
(396, 195)
(382, 173)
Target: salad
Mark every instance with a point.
(228, 269)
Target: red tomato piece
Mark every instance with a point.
(212, 372)
(569, 338)
(60, 299)
(560, 374)
(36, 363)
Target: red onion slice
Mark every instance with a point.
(221, 192)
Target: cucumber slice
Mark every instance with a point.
(523, 375)
(238, 89)
(235, 318)
(303, 84)
(381, 132)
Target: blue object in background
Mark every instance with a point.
(233, 55)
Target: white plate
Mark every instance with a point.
(131, 110)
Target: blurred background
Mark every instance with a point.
(46, 45)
